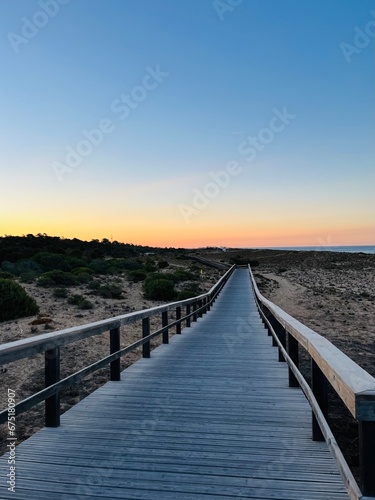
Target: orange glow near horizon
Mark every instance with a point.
(236, 235)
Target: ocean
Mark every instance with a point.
(350, 249)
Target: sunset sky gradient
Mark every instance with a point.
(202, 79)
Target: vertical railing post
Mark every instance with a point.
(294, 355)
(366, 432)
(200, 304)
(164, 322)
(195, 316)
(272, 320)
(188, 319)
(267, 315)
(208, 303)
(51, 376)
(280, 331)
(145, 333)
(178, 316)
(319, 388)
(114, 346)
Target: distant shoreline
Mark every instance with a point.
(370, 249)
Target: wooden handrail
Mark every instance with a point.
(50, 344)
(19, 349)
(353, 384)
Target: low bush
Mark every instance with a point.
(110, 291)
(185, 294)
(137, 275)
(80, 301)
(94, 285)
(57, 278)
(82, 270)
(6, 276)
(14, 301)
(159, 289)
(162, 264)
(28, 276)
(60, 293)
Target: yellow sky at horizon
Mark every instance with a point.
(252, 234)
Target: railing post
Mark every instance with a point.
(280, 332)
(204, 302)
(294, 355)
(164, 322)
(114, 346)
(367, 457)
(208, 304)
(195, 316)
(319, 388)
(200, 304)
(265, 310)
(51, 376)
(178, 316)
(145, 333)
(188, 319)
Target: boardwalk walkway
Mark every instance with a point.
(208, 417)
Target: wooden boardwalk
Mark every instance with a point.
(208, 417)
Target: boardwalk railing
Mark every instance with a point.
(355, 387)
(50, 344)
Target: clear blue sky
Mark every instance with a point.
(224, 72)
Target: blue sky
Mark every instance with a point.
(226, 69)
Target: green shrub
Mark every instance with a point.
(45, 281)
(82, 270)
(60, 293)
(28, 276)
(85, 304)
(52, 261)
(57, 278)
(159, 289)
(150, 266)
(22, 266)
(75, 299)
(182, 275)
(14, 301)
(80, 301)
(130, 264)
(94, 285)
(163, 264)
(111, 291)
(137, 275)
(101, 266)
(83, 278)
(185, 294)
(6, 276)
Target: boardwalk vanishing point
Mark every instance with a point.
(213, 415)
